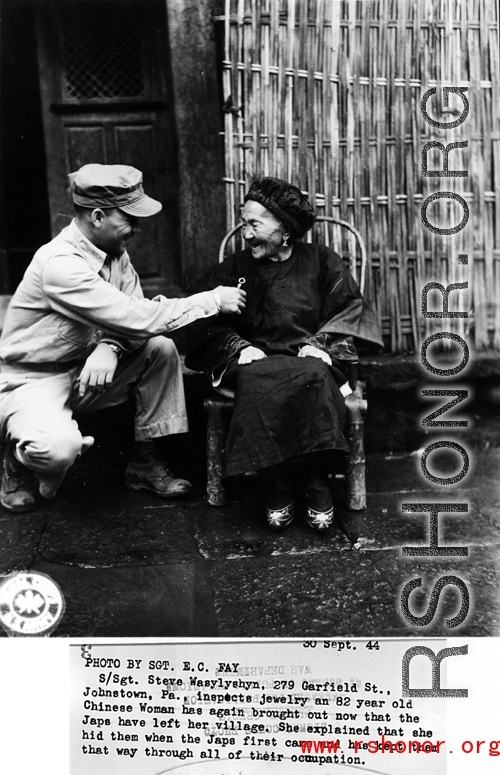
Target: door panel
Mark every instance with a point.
(104, 92)
(84, 143)
(137, 143)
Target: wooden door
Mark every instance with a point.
(105, 99)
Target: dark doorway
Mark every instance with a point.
(24, 206)
(103, 70)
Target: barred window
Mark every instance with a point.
(103, 51)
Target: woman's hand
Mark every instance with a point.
(313, 352)
(99, 370)
(250, 354)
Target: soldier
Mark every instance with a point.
(80, 336)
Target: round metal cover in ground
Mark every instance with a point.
(31, 604)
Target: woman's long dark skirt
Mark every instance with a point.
(284, 407)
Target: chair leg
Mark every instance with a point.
(355, 473)
(216, 437)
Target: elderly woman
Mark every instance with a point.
(284, 354)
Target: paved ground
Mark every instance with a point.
(130, 564)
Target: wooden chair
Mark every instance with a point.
(220, 405)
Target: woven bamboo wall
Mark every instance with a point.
(327, 95)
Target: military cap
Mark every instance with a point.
(112, 185)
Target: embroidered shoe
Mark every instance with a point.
(319, 520)
(318, 502)
(153, 475)
(280, 518)
(280, 504)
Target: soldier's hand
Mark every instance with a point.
(99, 370)
(232, 300)
(250, 354)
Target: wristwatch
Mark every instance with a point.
(217, 301)
(115, 347)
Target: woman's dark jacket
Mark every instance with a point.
(311, 298)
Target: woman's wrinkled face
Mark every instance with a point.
(262, 231)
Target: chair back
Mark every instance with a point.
(358, 269)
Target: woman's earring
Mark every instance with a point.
(285, 240)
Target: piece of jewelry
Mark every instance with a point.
(285, 240)
(241, 281)
(116, 348)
